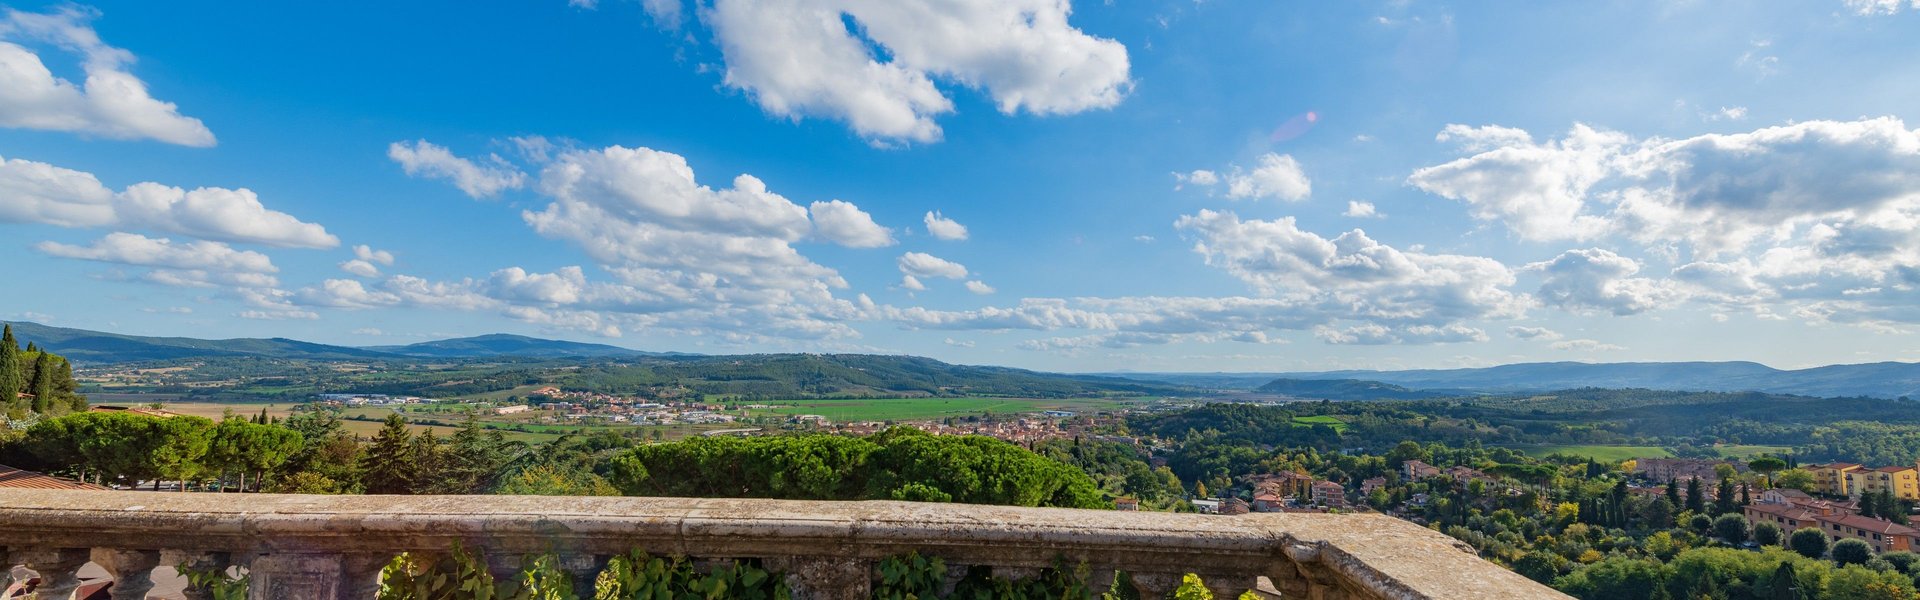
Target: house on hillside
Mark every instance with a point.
(1414, 470)
(1267, 502)
(1286, 484)
(1902, 482)
(1327, 493)
(1234, 506)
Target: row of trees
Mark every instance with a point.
(35, 381)
(127, 449)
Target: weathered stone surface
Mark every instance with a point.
(1313, 555)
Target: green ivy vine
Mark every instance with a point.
(216, 582)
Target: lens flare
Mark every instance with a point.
(1294, 127)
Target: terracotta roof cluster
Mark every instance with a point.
(16, 478)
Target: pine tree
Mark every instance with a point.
(388, 463)
(11, 380)
(42, 385)
(429, 469)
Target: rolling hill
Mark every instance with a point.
(1343, 389)
(1878, 380)
(503, 344)
(95, 347)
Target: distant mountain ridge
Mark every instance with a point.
(1343, 389)
(84, 346)
(97, 347)
(1876, 380)
(506, 344)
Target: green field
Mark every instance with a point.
(1330, 421)
(1597, 452)
(920, 409)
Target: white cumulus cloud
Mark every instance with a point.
(921, 264)
(1362, 210)
(37, 192)
(800, 58)
(944, 228)
(109, 102)
(421, 158)
(845, 224)
(139, 250)
(1532, 333)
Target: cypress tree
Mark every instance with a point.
(388, 463)
(42, 385)
(63, 378)
(1783, 587)
(1696, 497)
(1673, 492)
(1723, 500)
(11, 380)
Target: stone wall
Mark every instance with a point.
(298, 546)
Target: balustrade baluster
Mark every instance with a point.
(58, 568)
(132, 571)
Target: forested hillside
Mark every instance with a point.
(1343, 389)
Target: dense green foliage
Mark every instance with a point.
(900, 464)
(35, 382)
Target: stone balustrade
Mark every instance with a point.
(332, 547)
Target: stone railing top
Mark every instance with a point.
(1376, 554)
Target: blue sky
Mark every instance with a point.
(1176, 186)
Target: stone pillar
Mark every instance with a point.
(296, 577)
(132, 571)
(203, 562)
(825, 577)
(58, 568)
(360, 574)
(585, 570)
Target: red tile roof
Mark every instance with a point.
(15, 478)
(1873, 525)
